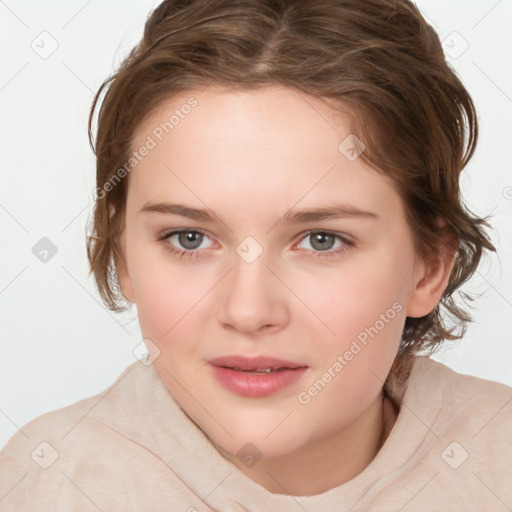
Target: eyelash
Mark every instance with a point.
(347, 244)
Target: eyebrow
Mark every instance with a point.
(290, 217)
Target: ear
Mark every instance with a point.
(123, 275)
(432, 278)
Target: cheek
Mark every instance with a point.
(166, 307)
(166, 292)
(356, 295)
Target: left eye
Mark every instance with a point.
(324, 241)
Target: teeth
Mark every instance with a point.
(259, 370)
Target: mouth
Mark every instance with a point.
(256, 377)
(258, 371)
(258, 364)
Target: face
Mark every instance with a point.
(259, 277)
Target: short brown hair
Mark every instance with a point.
(378, 60)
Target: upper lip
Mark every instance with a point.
(254, 363)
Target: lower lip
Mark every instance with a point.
(256, 385)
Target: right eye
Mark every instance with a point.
(188, 239)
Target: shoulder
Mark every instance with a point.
(452, 437)
(68, 453)
(462, 392)
(466, 415)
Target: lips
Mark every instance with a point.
(249, 364)
(256, 377)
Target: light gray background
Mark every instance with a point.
(58, 343)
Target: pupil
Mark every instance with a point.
(324, 240)
(188, 239)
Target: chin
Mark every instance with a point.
(266, 439)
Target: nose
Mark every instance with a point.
(253, 299)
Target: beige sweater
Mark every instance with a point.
(132, 448)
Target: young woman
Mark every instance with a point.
(278, 195)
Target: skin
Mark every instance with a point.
(250, 158)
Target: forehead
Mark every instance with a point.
(273, 145)
(252, 118)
